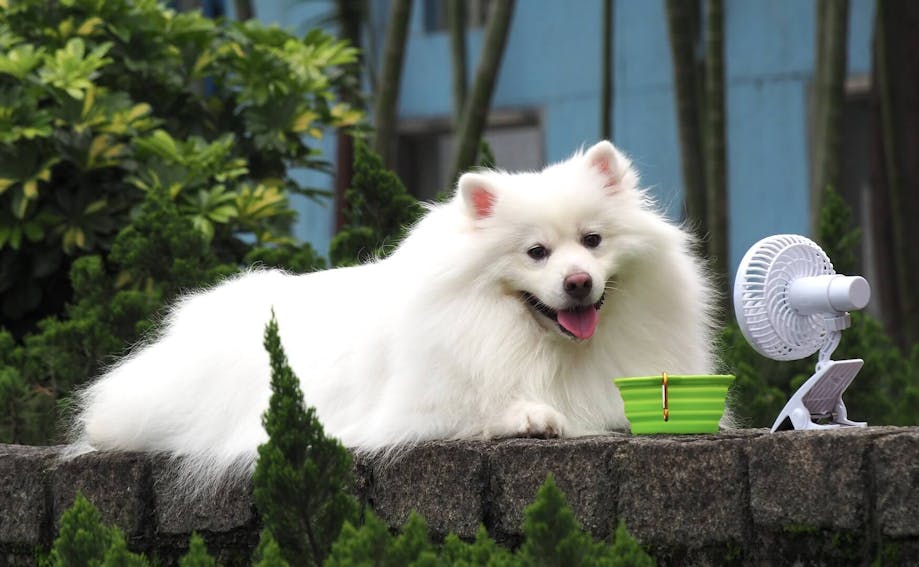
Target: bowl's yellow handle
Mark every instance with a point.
(664, 395)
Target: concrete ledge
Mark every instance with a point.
(827, 497)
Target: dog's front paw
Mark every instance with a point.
(531, 419)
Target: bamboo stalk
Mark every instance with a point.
(387, 100)
(475, 112)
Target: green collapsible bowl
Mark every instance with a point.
(695, 404)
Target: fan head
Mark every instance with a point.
(762, 298)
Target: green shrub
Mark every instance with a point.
(268, 552)
(197, 555)
(102, 102)
(378, 212)
(552, 536)
(156, 257)
(82, 538)
(302, 477)
(118, 554)
(481, 551)
(84, 541)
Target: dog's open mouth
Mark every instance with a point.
(578, 322)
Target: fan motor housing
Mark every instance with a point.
(829, 294)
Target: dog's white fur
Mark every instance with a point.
(433, 342)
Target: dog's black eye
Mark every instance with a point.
(591, 240)
(538, 252)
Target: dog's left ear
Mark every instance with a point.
(608, 161)
(478, 195)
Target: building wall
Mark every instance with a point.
(552, 67)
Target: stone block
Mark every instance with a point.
(813, 479)
(444, 481)
(24, 559)
(582, 468)
(24, 511)
(684, 492)
(896, 473)
(116, 483)
(810, 496)
(227, 508)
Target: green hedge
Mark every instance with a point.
(104, 102)
(143, 152)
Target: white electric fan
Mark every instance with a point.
(790, 303)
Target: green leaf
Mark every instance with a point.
(20, 204)
(204, 226)
(30, 189)
(71, 69)
(222, 214)
(161, 144)
(553, 535)
(303, 121)
(6, 183)
(20, 60)
(89, 26)
(34, 231)
(104, 152)
(95, 207)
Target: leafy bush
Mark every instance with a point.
(143, 153)
(152, 260)
(102, 102)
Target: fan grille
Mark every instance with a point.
(761, 300)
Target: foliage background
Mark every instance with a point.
(145, 152)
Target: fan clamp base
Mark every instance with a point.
(820, 398)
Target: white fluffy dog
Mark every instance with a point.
(506, 311)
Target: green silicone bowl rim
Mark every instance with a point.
(674, 380)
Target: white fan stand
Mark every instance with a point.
(789, 303)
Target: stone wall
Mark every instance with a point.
(746, 497)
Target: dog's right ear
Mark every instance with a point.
(478, 195)
(605, 159)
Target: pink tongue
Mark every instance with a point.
(581, 324)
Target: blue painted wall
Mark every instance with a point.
(552, 65)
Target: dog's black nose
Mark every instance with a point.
(578, 285)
